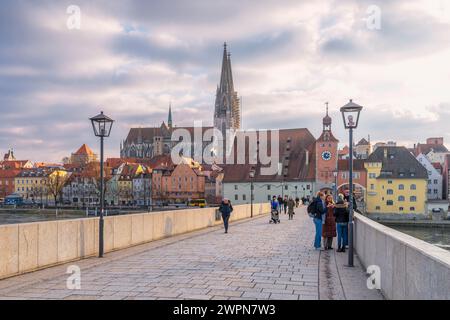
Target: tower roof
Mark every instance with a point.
(84, 150)
(327, 119)
(226, 77)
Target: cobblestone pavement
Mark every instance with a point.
(255, 260)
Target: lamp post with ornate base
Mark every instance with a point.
(350, 115)
(102, 128)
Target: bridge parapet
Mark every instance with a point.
(409, 268)
(32, 246)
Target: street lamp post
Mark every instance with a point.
(102, 128)
(252, 176)
(350, 115)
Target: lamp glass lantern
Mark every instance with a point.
(252, 172)
(102, 125)
(350, 114)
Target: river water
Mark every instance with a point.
(24, 216)
(438, 236)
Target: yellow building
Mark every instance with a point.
(38, 185)
(31, 184)
(125, 182)
(396, 182)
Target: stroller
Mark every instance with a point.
(275, 216)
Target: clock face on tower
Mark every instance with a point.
(326, 155)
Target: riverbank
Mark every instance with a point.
(416, 223)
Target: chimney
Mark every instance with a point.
(307, 157)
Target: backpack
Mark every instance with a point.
(311, 208)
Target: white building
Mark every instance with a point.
(434, 178)
(239, 193)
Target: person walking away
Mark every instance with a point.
(318, 211)
(297, 202)
(329, 223)
(226, 209)
(342, 218)
(280, 202)
(285, 204)
(291, 206)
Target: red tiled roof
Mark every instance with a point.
(84, 150)
(9, 173)
(358, 165)
(300, 141)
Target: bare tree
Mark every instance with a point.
(55, 183)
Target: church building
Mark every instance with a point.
(149, 142)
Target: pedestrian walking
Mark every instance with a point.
(275, 207)
(285, 204)
(297, 202)
(342, 218)
(291, 206)
(226, 209)
(329, 223)
(280, 202)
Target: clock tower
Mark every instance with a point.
(326, 155)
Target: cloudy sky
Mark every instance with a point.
(132, 58)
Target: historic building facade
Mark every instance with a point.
(326, 156)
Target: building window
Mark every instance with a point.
(413, 199)
(390, 191)
(286, 187)
(269, 198)
(377, 208)
(412, 209)
(235, 187)
(390, 203)
(268, 188)
(244, 197)
(413, 187)
(372, 186)
(429, 191)
(435, 191)
(389, 181)
(401, 187)
(236, 197)
(401, 198)
(400, 209)
(435, 181)
(372, 175)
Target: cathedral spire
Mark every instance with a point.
(169, 120)
(227, 107)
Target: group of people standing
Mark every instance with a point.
(330, 219)
(287, 204)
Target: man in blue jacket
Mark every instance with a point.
(226, 208)
(319, 211)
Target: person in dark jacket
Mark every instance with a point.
(291, 206)
(342, 218)
(318, 214)
(226, 209)
(347, 199)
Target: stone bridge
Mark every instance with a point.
(255, 260)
